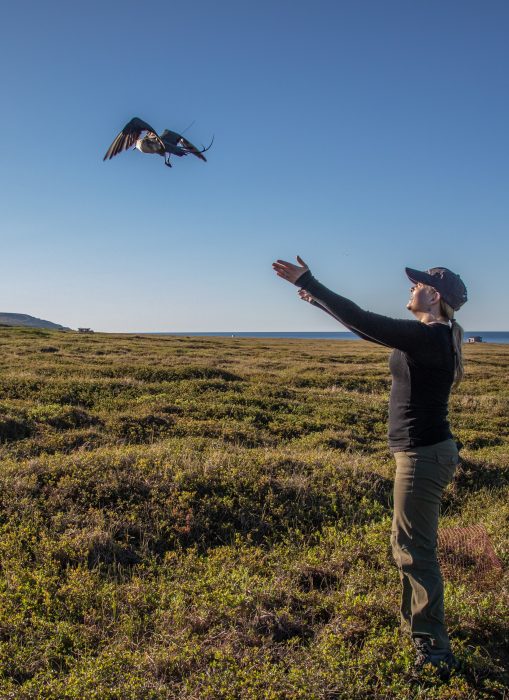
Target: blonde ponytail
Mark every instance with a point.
(457, 341)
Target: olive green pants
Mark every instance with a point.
(422, 474)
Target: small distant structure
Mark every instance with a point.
(475, 339)
(85, 330)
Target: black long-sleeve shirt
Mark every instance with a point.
(421, 364)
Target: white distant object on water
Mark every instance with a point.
(167, 144)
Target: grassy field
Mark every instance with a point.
(209, 518)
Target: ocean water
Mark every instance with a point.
(487, 336)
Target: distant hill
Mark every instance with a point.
(7, 319)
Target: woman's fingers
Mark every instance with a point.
(288, 270)
(284, 264)
(305, 296)
(290, 265)
(281, 268)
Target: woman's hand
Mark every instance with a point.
(305, 296)
(288, 271)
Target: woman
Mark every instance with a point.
(425, 363)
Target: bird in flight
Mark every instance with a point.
(167, 144)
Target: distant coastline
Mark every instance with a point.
(487, 336)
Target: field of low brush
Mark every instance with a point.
(209, 518)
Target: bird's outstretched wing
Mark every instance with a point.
(170, 137)
(128, 137)
(174, 139)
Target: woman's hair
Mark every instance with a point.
(457, 341)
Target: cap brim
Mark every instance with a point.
(418, 276)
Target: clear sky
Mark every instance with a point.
(364, 135)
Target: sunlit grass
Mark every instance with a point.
(209, 518)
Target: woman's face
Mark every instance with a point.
(421, 298)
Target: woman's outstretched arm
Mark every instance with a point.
(305, 296)
(395, 333)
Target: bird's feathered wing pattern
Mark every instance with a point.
(129, 135)
(171, 138)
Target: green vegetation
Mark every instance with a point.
(9, 319)
(208, 518)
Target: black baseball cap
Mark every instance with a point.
(451, 287)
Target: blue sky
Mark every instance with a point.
(364, 135)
